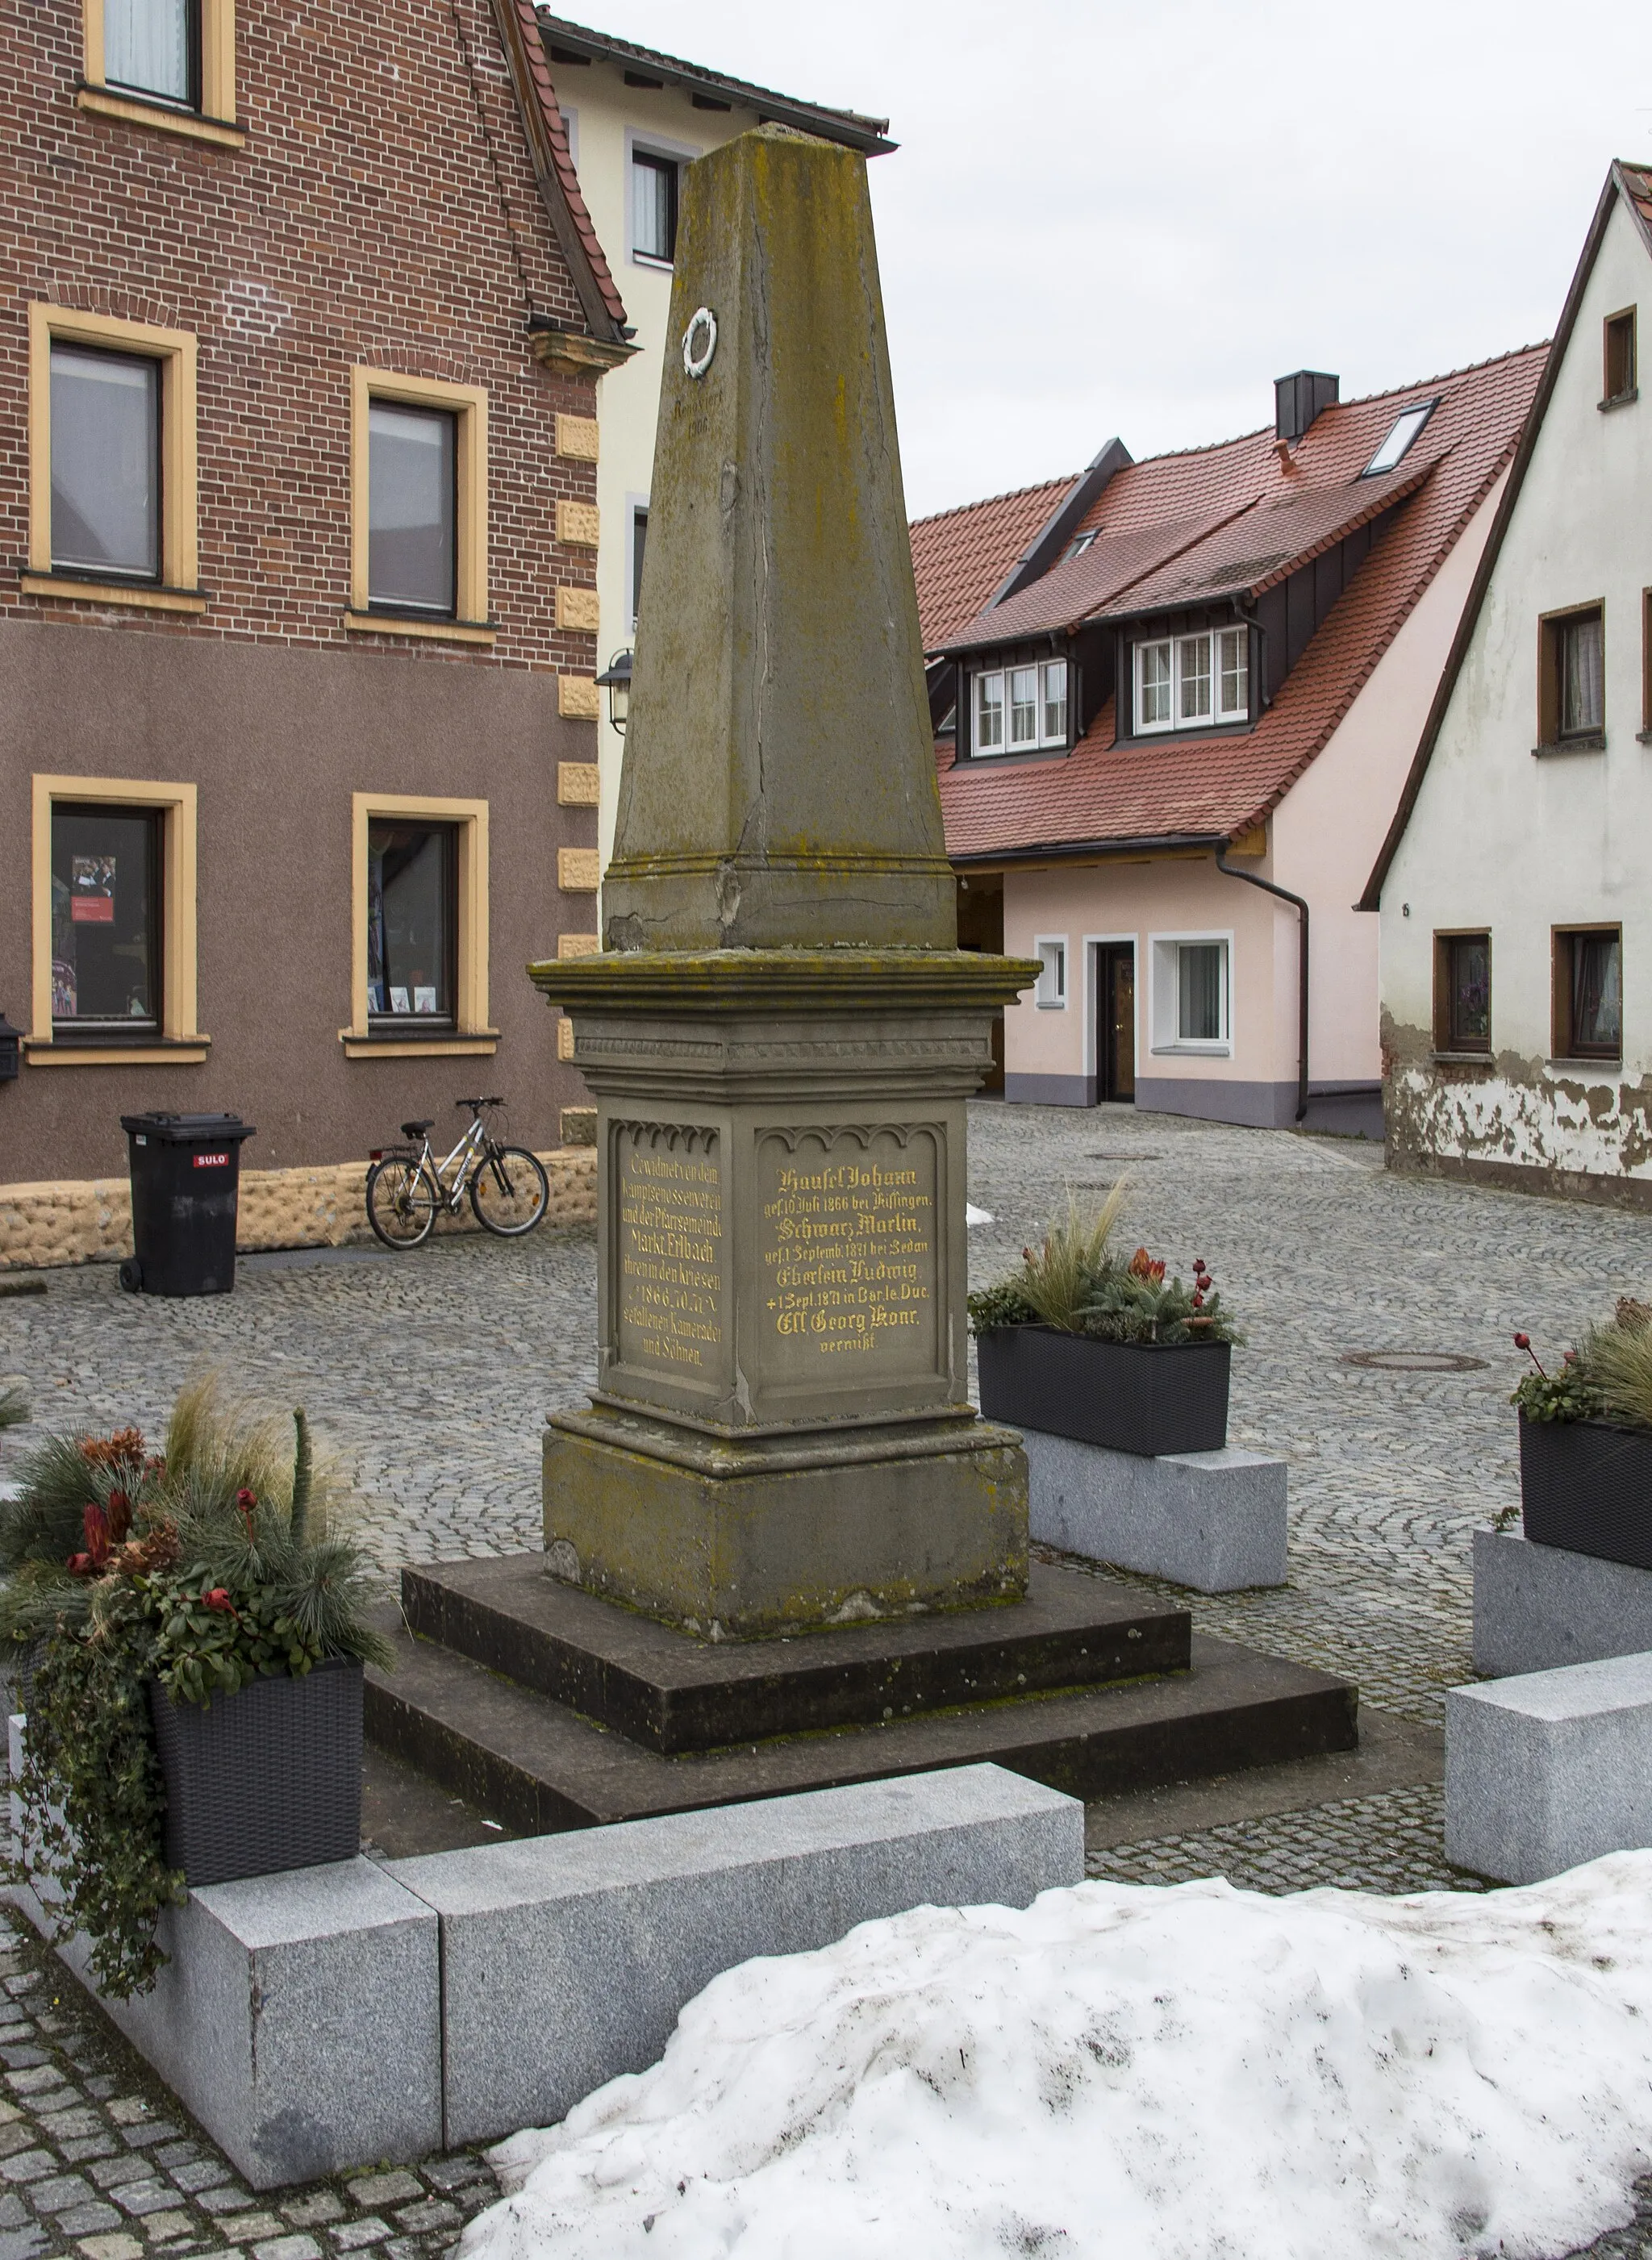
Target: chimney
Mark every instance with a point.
(1298, 399)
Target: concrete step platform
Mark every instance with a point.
(674, 1694)
(540, 1766)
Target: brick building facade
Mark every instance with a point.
(300, 321)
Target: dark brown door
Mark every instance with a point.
(1116, 1036)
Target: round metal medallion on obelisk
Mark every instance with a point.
(780, 1031)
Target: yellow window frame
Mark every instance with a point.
(214, 121)
(472, 1033)
(179, 554)
(181, 1043)
(468, 405)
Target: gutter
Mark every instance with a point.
(1067, 849)
(1285, 896)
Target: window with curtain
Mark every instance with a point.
(106, 880)
(654, 204)
(105, 463)
(413, 508)
(1462, 992)
(1021, 710)
(1589, 994)
(1582, 670)
(1193, 681)
(412, 923)
(1201, 978)
(154, 47)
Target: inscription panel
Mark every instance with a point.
(848, 1238)
(670, 1286)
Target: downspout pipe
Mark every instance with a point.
(1285, 896)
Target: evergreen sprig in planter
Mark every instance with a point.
(196, 1711)
(1586, 1443)
(1079, 1344)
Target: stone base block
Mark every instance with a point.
(736, 1541)
(1549, 1770)
(1537, 1608)
(1212, 1520)
(566, 1959)
(298, 2017)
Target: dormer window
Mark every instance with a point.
(1403, 430)
(1193, 681)
(1020, 710)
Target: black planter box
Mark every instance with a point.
(265, 1779)
(1148, 1397)
(1587, 1485)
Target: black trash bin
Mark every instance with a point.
(185, 1181)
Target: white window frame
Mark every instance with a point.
(651, 145)
(1040, 741)
(1165, 1002)
(1050, 994)
(1176, 718)
(633, 503)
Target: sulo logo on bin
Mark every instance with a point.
(212, 1161)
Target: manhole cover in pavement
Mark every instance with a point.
(1131, 1156)
(1414, 1361)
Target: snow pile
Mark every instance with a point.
(1143, 2074)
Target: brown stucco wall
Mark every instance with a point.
(276, 741)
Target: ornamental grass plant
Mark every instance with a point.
(1076, 1282)
(223, 1558)
(1608, 1377)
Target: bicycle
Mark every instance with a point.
(407, 1187)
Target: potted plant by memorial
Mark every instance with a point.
(1080, 1342)
(194, 1624)
(1586, 1442)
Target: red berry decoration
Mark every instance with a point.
(1522, 1341)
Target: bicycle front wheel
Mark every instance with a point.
(401, 1202)
(510, 1191)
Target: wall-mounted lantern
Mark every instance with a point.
(10, 1043)
(616, 681)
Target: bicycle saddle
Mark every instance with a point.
(415, 1129)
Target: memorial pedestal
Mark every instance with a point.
(781, 1434)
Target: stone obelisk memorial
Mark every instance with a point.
(780, 1031)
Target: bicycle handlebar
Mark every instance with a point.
(476, 1104)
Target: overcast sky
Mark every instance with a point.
(1130, 217)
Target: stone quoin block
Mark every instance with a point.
(1214, 1520)
(578, 524)
(1549, 1770)
(1537, 1608)
(578, 945)
(577, 436)
(298, 2017)
(566, 1959)
(577, 784)
(577, 698)
(578, 870)
(580, 609)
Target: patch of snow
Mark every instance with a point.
(974, 1215)
(1134, 2074)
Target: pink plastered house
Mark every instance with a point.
(1177, 702)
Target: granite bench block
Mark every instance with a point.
(298, 2017)
(566, 1959)
(1212, 1520)
(1549, 1770)
(1538, 1607)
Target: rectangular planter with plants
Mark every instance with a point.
(1079, 1343)
(193, 1625)
(1586, 1443)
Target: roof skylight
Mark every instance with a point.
(1406, 427)
(1083, 543)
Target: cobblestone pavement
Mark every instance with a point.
(96, 2159)
(430, 1375)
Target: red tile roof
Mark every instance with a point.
(1179, 521)
(554, 164)
(963, 555)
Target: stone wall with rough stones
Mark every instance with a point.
(88, 1220)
